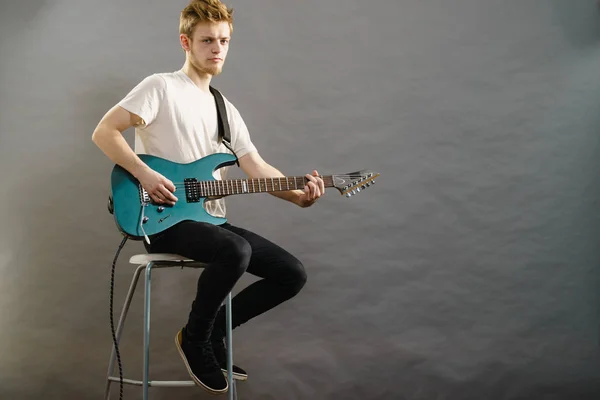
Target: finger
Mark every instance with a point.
(321, 184)
(308, 191)
(166, 194)
(160, 194)
(156, 198)
(313, 184)
(169, 185)
(170, 196)
(319, 181)
(314, 190)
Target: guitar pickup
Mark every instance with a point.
(192, 190)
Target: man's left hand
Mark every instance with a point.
(314, 189)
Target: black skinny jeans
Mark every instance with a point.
(230, 251)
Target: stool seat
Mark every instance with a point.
(146, 258)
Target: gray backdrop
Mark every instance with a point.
(469, 271)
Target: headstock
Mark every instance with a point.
(352, 183)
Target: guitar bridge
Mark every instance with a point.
(192, 190)
(144, 197)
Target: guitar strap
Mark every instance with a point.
(223, 122)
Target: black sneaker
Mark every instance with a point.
(201, 364)
(220, 352)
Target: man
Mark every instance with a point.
(175, 118)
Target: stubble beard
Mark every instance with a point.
(212, 70)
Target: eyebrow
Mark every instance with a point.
(211, 37)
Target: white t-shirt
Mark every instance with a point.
(180, 124)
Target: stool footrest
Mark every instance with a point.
(154, 383)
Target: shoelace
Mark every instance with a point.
(205, 350)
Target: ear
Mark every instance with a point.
(185, 42)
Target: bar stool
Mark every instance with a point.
(149, 262)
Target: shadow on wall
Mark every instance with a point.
(16, 17)
(22, 13)
(61, 275)
(580, 20)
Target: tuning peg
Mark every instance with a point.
(357, 189)
(348, 195)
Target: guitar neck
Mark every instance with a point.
(244, 186)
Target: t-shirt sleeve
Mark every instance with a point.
(144, 99)
(240, 137)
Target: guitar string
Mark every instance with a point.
(268, 180)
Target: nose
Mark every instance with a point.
(217, 48)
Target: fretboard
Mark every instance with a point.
(195, 188)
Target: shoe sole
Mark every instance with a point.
(236, 376)
(187, 365)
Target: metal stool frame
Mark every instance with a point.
(148, 262)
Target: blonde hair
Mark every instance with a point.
(204, 11)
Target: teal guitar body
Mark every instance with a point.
(137, 216)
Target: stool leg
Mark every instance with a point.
(232, 390)
(147, 330)
(120, 325)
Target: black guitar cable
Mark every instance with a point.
(112, 324)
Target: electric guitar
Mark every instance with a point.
(137, 216)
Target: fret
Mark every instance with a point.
(259, 184)
(244, 187)
(253, 188)
(272, 184)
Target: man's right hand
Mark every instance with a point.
(159, 188)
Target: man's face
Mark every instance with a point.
(208, 46)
